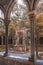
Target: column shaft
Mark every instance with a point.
(32, 17)
(2, 40)
(6, 40)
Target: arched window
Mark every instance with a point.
(19, 28)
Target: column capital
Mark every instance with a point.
(32, 16)
(7, 21)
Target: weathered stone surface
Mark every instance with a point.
(8, 61)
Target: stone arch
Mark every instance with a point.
(21, 28)
(12, 4)
(3, 9)
(2, 23)
(3, 12)
(10, 8)
(32, 5)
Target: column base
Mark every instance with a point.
(5, 54)
(32, 59)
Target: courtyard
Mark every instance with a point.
(21, 32)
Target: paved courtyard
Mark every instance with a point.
(21, 57)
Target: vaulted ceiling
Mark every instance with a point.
(4, 2)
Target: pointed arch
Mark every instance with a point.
(3, 9)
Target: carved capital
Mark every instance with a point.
(32, 17)
(7, 21)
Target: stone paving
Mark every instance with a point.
(20, 57)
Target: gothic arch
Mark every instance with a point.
(32, 7)
(2, 23)
(11, 7)
(3, 9)
(31, 4)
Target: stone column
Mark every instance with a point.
(6, 41)
(6, 35)
(32, 18)
(17, 39)
(2, 40)
(24, 43)
(13, 38)
(37, 42)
